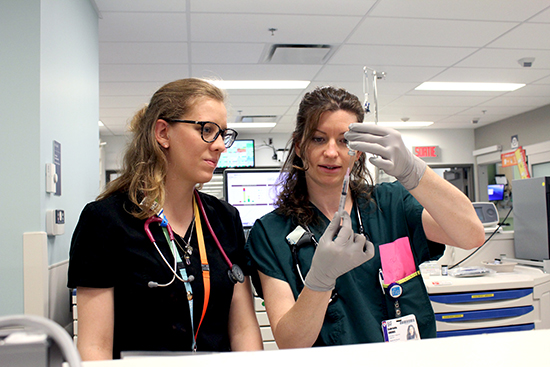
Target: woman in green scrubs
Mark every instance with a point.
(329, 289)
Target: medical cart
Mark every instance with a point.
(497, 302)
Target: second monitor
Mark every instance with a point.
(252, 191)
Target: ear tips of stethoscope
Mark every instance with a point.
(152, 284)
(191, 278)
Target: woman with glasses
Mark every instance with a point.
(150, 272)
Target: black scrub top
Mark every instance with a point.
(109, 248)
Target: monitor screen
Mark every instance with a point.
(252, 191)
(495, 192)
(240, 154)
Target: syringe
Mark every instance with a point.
(345, 184)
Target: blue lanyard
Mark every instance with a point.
(183, 274)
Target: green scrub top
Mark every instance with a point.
(359, 307)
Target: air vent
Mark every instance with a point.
(297, 54)
(256, 118)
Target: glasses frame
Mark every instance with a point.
(202, 123)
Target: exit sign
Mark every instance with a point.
(426, 152)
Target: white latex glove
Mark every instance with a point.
(392, 156)
(333, 258)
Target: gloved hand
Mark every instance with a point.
(391, 154)
(336, 256)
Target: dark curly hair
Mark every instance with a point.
(293, 199)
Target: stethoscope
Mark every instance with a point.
(308, 238)
(234, 273)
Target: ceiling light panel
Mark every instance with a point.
(475, 87)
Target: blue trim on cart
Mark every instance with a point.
(481, 296)
(490, 330)
(496, 313)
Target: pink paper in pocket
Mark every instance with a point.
(397, 260)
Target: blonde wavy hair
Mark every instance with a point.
(144, 166)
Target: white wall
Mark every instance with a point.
(20, 141)
(69, 110)
(455, 145)
(49, 91)
(531, 127)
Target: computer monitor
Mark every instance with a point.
(240, 154)
(495, 192)
(253, 191)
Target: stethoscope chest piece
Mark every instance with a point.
(236, 274)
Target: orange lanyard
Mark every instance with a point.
(205, 268)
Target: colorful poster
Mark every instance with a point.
(522, 163)
(508, 159)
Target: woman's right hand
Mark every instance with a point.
(339, 251)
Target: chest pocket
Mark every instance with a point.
(404, 287)
(414, 300)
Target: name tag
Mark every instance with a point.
(402, 328)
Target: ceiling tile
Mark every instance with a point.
(140, 5)
(516, 10)
(144, 44)
(542, 17)
(399, 55)
(300, 29)
(526, 36)
(143, 72)
(143, 27)
(428, 32)
(128, 89)
(226, 53)
(122, 101)
(142, 52)
(488, 75)
(306, 7)
(506, 58)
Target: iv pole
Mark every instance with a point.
(375, 76)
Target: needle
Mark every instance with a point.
(345, 184)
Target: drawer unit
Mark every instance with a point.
(500, 302)
(265, 328)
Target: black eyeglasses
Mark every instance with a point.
(210, 131)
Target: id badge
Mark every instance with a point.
(402, 328)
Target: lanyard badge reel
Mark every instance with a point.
(395, 291)
(398, 267)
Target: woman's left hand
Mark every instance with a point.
(391, 154)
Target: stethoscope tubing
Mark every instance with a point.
(171, 234)
(235, 273)
(201, 207)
